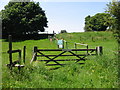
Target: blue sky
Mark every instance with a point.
(68, 15)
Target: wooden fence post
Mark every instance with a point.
(19, 56)
(76, 47)
(63, 45)
(80, 38)
(10, 49)
(66, 45)
(99, 50)
(87, 49)
(24, 54)
(35, 52)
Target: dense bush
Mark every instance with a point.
(63, 31)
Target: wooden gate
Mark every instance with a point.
(62, 53)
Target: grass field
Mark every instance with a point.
(97, 72)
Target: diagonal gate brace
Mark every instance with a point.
(78, 56)
(52, 59)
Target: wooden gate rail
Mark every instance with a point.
(14, 51)
(65, 55)
(66, 49)
(37, 51)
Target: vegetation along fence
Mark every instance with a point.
(63, 53)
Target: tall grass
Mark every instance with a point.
(97, 72)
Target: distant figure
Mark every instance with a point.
(60, 43)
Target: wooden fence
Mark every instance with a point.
(15, 63)
(51, 57)
(86, 45)
(39, 53)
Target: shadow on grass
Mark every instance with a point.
(19, 38)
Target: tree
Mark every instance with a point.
(63, 31)
(87, 24)
(23, 18)
(98, 22)
(0, 25)
(114, 10)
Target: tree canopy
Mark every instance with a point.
(113, 8)
(98, 22)
(23, 18)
